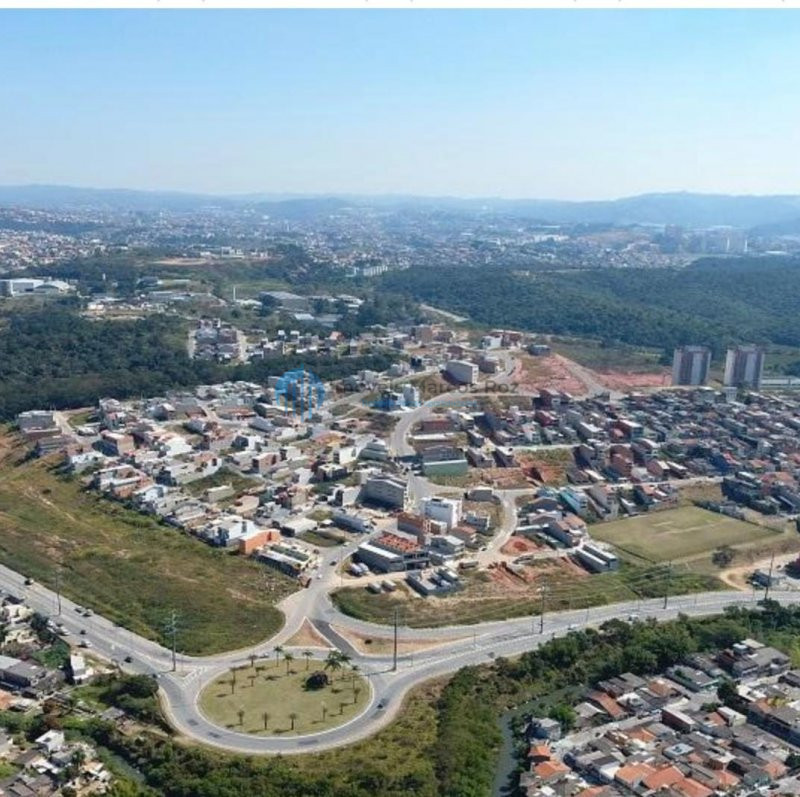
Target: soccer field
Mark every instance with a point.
(677, 534)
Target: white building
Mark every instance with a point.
(29, 286)
(411, 396)
(744, 366)
(386, 490)
(443, 510)
(462, 371)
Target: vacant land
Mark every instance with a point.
(126, 566)
(601, 357)
(679, 534)
(262, 699)
(240, 484)
(550, 464)
(500, 593)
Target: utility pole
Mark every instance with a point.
(543, 608)
(58, 589)
(172, 630)
(666, 584)
(769, 577)
(394, 647)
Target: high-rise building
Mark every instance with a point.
(744, 366)
(690, 365)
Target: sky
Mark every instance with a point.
(531, 103)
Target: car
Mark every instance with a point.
(319, 575)
(572, 627)
(381, 705)
(632, 618)
(85, 643)
(128, 659)
(28, 581)
(333, 563)
(83, 631)
(87, 613)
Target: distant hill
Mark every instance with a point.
(685, 209)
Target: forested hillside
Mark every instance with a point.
(715, 301)
(55, 358)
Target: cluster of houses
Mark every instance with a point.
(672, 736)
(50, 762)
(213, 340)
(428, 543)
(626, 453)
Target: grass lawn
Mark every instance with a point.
(619, 357)
(260, 699)
(679, 534)
(238, 482)
(127, 566)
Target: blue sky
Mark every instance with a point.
(562, 104)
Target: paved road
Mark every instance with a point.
(460, 646)
(456, 646)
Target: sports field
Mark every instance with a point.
(677, 534)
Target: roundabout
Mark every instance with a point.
(286, 695)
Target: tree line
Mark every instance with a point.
(56, 359)
(715, 302)
(460, 761)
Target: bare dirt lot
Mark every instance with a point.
(533, 373)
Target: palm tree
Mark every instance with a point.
(356, 693)
(288, 658)
(240, 714)
(252, 679)
(355, 669)
(252, 658)
(265, 717)
(308, 656)
(293, 717)
(324, 712)
(333, 661)
(344, 660)
(278, 650)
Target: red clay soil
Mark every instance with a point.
(546, 372)
(519, 545)
(622, 381)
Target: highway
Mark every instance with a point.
(459, 646)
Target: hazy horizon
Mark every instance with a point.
(555, 105)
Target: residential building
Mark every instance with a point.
(444, 510)
(744, 366)
(444, 461)
(385, 490)
(690, 365)
(462, 371)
